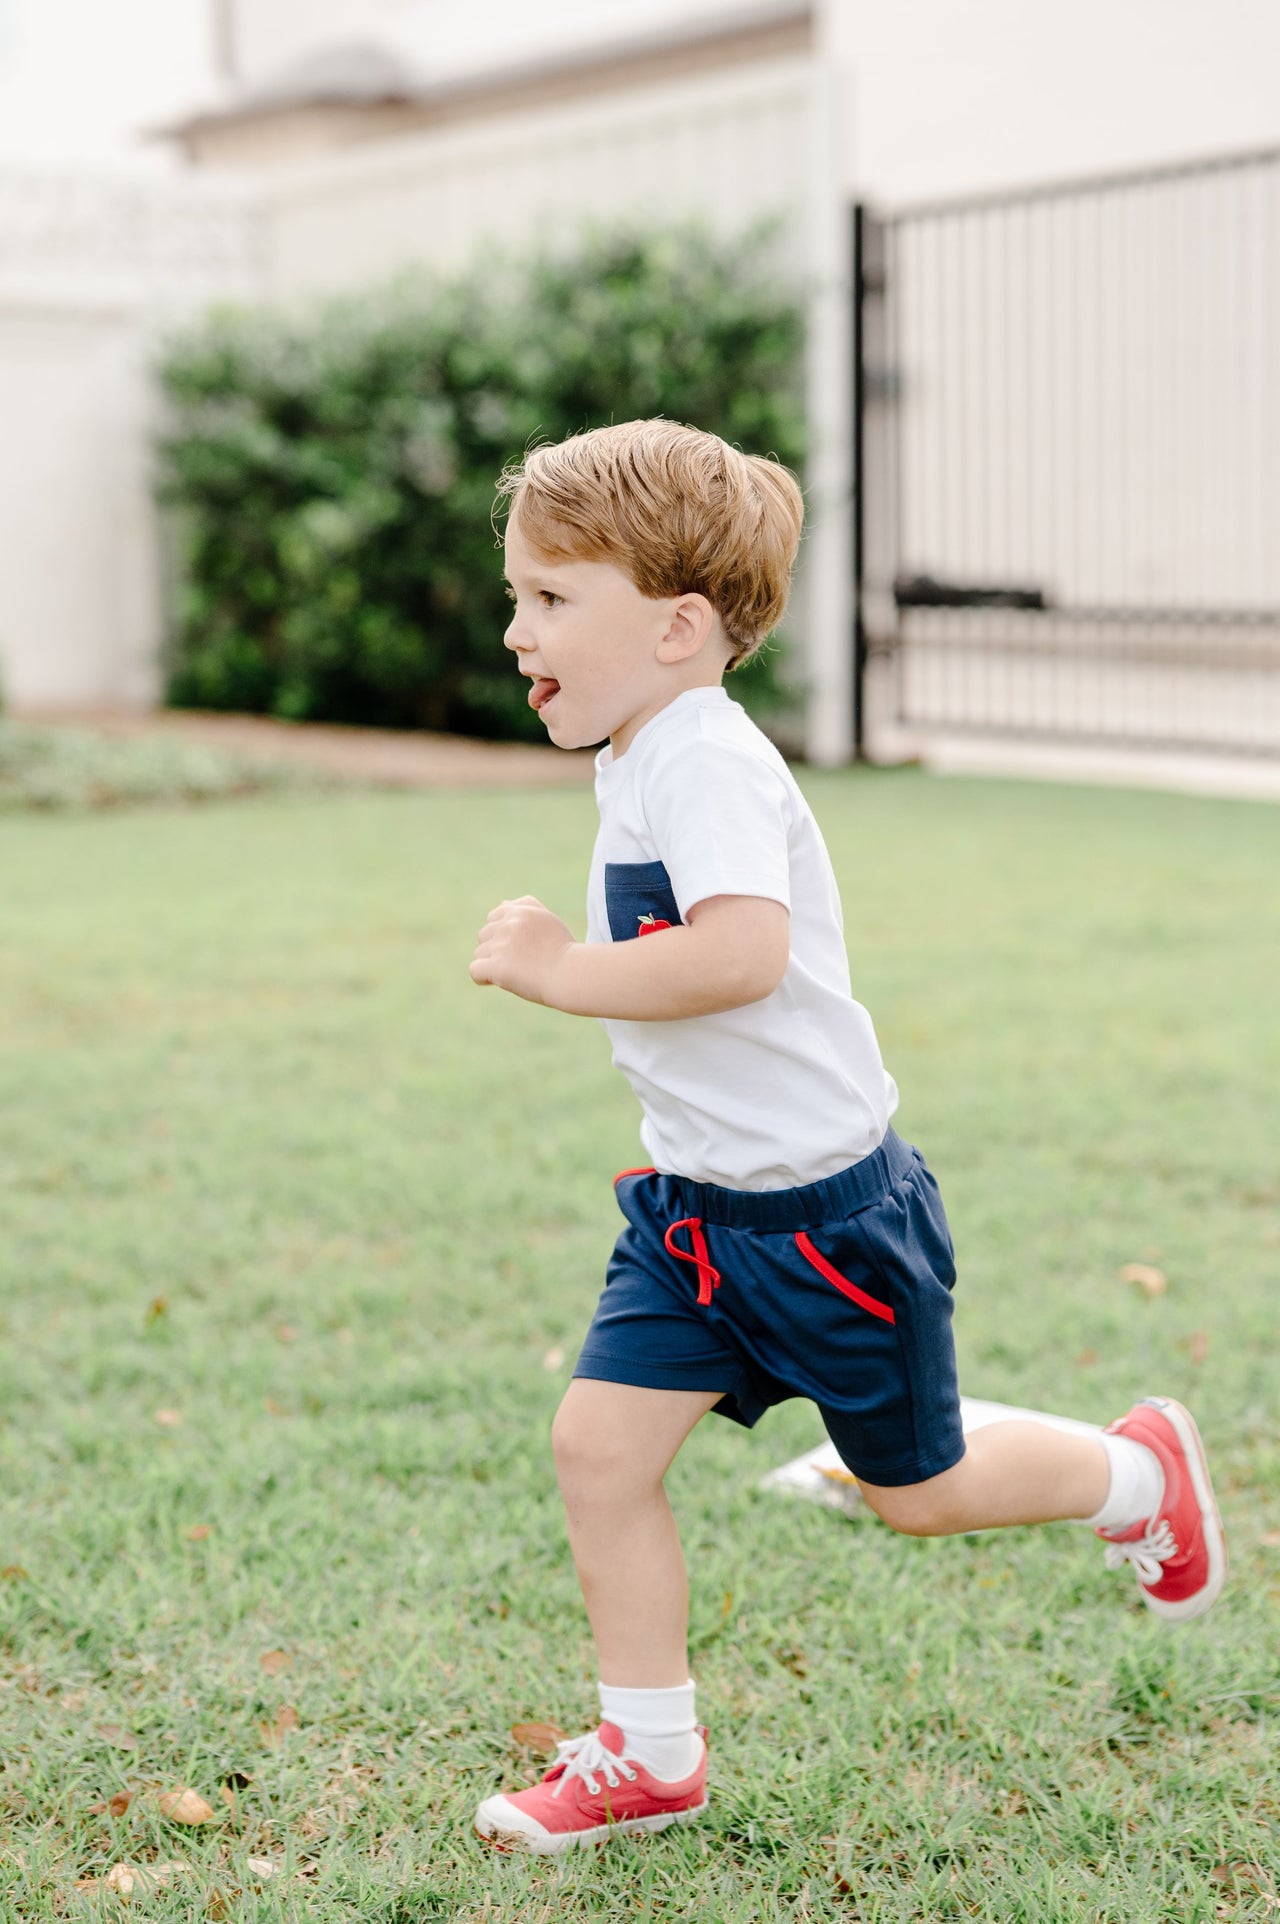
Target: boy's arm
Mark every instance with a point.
(733, 950)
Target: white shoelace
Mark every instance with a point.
(586, 1757)
(1147, 1554)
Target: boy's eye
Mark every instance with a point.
(548, 599)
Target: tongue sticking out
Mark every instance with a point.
(542, 691)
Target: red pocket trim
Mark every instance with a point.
(842, 1283)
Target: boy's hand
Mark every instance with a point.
(732, 950)
(519, 948)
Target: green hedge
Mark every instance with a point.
(331, 477)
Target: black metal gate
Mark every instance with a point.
(1068, 462)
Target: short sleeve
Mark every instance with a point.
(719, 816)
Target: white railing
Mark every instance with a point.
(164, 238)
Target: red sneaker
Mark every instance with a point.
(592, 1790)
(1179, 1555)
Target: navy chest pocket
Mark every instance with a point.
(638, 898)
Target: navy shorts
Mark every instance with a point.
(839, 1291)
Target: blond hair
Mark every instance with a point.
(678, 510)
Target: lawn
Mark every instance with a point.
(298, 1233)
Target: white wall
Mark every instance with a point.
(77, 597)
(91, 272)
(80, 80)
(443, 38)
(947, 94)
(731, 149)
(950, 95)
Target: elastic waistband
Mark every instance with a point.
(844, 1194)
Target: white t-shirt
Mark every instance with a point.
(784, 1091)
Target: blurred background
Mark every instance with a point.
(284, 282)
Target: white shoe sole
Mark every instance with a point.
(493, 1831)
(1210, 1522)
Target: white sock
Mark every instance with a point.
(659, 1725)
(1137, 1485)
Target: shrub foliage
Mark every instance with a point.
(331, 475)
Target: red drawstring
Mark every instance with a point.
(708, 1274)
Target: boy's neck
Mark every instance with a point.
(620, 742)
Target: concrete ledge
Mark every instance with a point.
(1233, 777)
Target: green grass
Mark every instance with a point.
(269, 1161)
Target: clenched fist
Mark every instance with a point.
(520, 948)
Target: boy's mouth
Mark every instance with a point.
(542, 691)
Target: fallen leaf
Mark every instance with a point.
(1198, 1345)
(540, 1737)
(169, 1419)
(185, 1806)
(285, 1720)
(261, 1866)
(125, 1878)
(218, 1904)
(198, 1532)
(1238, 1870)
(287, 1332)
(275, 1660)
(118, 1803)
(156, 1308)
(727, 1605)
(117, 1734)
(237, 1780)
(553, 1359)
(1146, 1276)
(13, 1572)
(1086, 1359)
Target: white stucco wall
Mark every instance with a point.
(952, 95)
(947, 94)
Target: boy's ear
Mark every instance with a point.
(692, 624)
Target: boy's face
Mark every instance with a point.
(603, 658)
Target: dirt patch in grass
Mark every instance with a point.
(385, 757)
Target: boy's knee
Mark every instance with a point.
(914, 1509)
(586, 1459)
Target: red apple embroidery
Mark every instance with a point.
(649, 923)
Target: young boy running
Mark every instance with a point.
(786, 1242)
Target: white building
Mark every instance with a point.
(319, 143)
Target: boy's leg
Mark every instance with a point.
(614, 1444)
(1144, 1484)
(645, 1767)
(1015, 1472)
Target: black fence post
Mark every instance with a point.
(857, 429)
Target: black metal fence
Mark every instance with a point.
(1068, 451)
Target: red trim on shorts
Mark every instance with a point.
(623, 1173)
(842, 1283)
(708, 1274)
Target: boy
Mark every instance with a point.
(786, 1241)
